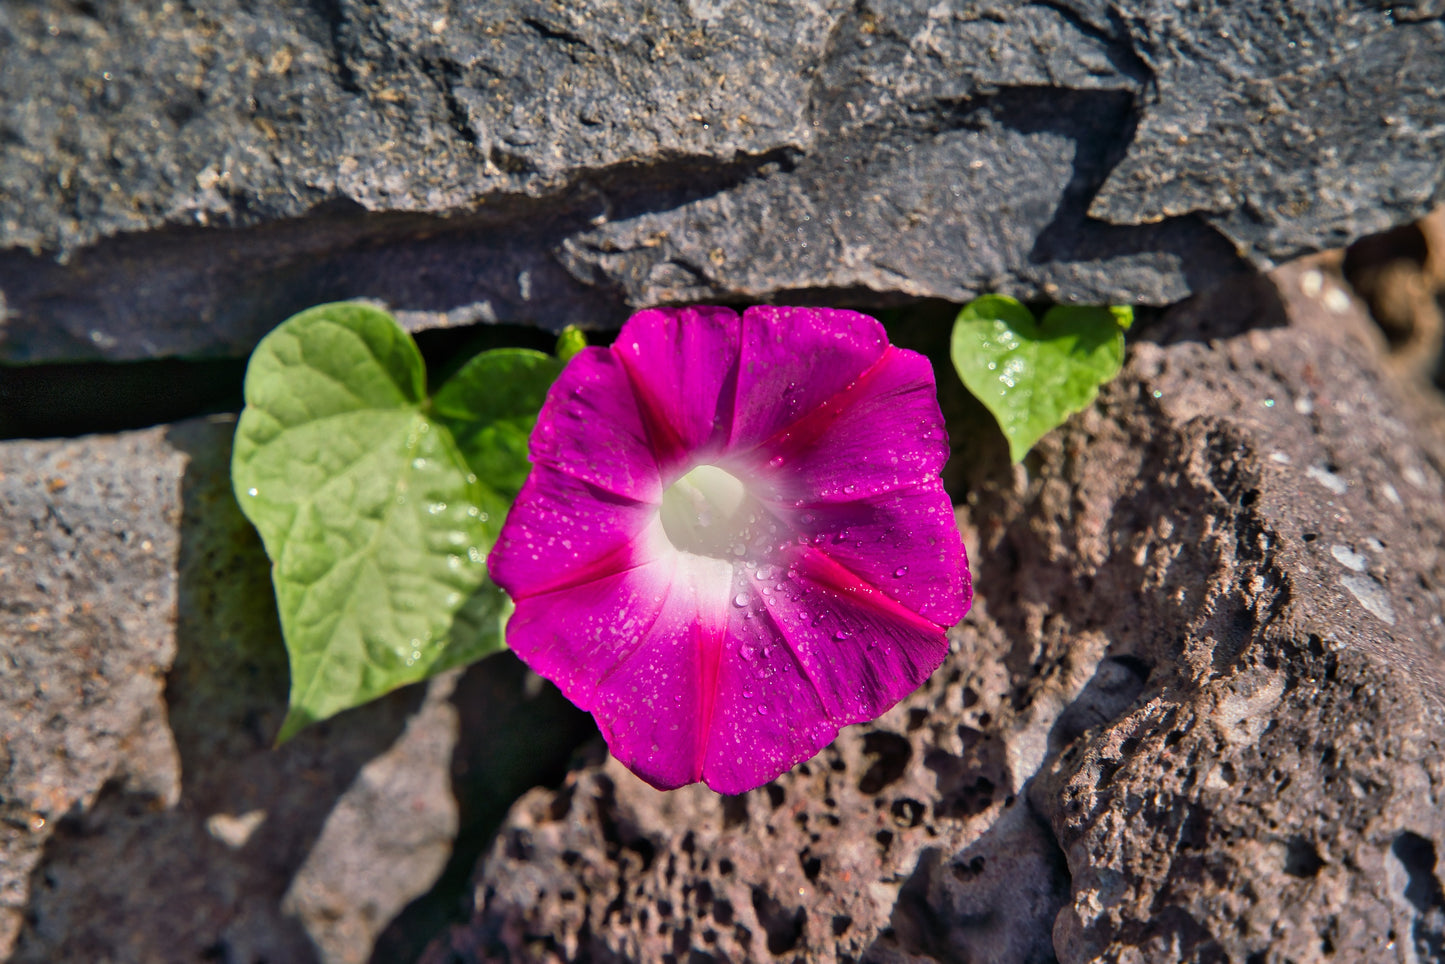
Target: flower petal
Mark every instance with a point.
(884, 431)
(563, 531)
(683, 366)
(861, 649)
(812, 650)
(590, 427)
(794, 359)
(656, 706)
(768, 715)
(905, 543)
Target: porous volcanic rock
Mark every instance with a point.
(1196, 713)
(176, 179)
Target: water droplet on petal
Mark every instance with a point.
(842, 634)
(776, 462)
(900, 571)
(740, 600)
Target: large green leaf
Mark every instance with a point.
(490, 406)
(377, 527)
(1032, 375)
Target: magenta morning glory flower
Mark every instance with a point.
(734, 540)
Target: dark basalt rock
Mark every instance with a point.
(1196, 713)
(175, 180)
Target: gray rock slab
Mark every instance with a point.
(1195, 714)
(147, 817)
(88, 544)
(176, 180)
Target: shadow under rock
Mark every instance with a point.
(143, 878)
(516, 731)
(994, 902)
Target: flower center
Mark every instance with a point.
(703, 513)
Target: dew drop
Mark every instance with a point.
(841, 634)
(740, 600)
(900, 571)
(251, 492)
(418, 463)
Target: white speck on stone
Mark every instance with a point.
(1371, 595)
(1328, 479)
(1414, 476)
(1304, 406)
(1391, 494)
(1348, 558)
(1312, 282)
(234, 830)
(1279, 457)
(1374, 545)
(1336, 300)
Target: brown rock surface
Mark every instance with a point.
(1196, 713)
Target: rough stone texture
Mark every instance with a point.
(1196, 713)
(553, 163)
(146, 816)
(88, 544)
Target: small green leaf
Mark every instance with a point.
(1124, 315)
(570, 342)
(490, 406)
(373, 519)
(1033, 375)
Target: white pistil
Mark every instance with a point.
(704, 513)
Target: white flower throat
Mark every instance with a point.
(705, 513)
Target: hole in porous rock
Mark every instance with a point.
(1417, 856)
(1301, 859)
(841, 923)
(907, 811)
(892, 753)
(784, 926)
(722, 911)
(725, 867)
(967, 870)
(916, 719)
(734, 811)
(644, 849)
(519, 845)
(775, 795)
(812, 866)
(561, 804)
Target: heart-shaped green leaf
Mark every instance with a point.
(377, 525)
(1032, 375)
(492, 426)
